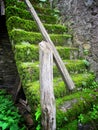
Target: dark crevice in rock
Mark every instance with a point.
(8, 69)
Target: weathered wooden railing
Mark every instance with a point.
(47, 52)
(2, 7)
(66, 77)
(46, 87)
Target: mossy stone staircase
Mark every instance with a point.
(25, 36)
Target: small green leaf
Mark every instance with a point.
(4, 126)
(14, 127)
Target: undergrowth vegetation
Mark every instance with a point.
(10, 119)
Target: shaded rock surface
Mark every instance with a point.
(8, 72)
(82, 17)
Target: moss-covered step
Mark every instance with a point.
(73, 125)
(68, 107)
(28, 74)
(18, 35)
(32, 88)
(73, 67)
(87, 120)
(45, 4)
(15, 3)
(29, 53)
(32, 69)
(14, 11)
(29, 25)
(39, 9)
(71, 106)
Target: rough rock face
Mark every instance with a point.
(9, 77)
(82, 17)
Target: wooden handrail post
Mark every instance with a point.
(46, 88)
(66, 77)
(2, 7)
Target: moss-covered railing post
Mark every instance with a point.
(46, 87)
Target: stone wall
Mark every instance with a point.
(9, 77)
(82, 17)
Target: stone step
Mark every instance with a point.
(29, 73)
(29, 53)
(71, 106)
(18, 36)
(39, 9)
(32, 70)
(29, 25)
(14, 11)
(68, 108)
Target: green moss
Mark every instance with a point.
(84, 80)
(73, 125)
(32, 90)
(28, 25)
(66, 52)
(70, 126)
(79, 79)
(73, 66)
(83, 104)
(28, 53)
(43, 10)
(10, 2)
(27, 73)
(14, 11)
(15, 3)
(18, 35)
(38, 3)
(91, 116)
(22, 5)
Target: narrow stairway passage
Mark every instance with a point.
(9, 77)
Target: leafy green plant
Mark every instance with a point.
(56, 13)
(9, 116)
(94, 85)
(38, 118)
(86, 63)
(94, 112)
(86, 52)
(91, 116)
(80, 118)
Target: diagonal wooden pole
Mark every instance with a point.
(65, 75)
